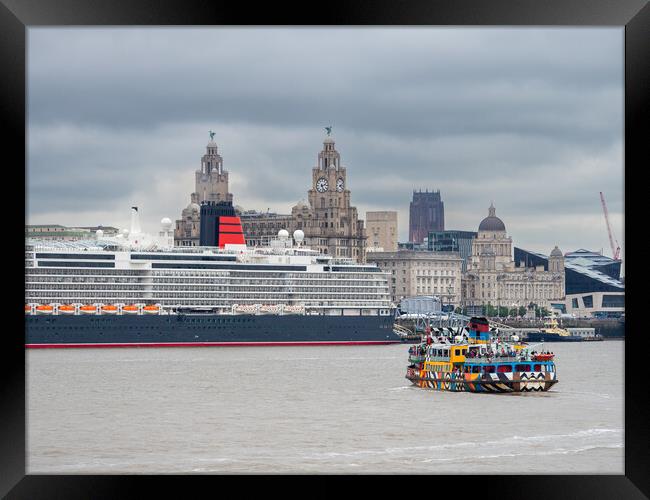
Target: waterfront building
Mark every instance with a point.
(381, 228)
(211, 185)
(260, 228)
(452, 241)
(330, 223)
(105, 230)
(589, 286)
(596, 261)
(426, 213)
(58, 232)
(493, 278)
(416, 247)
(414, 273)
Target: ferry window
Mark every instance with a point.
(522, 368)
(504, 369)
(457, 352)
(537, 368)
(488, 369)
(476, 369)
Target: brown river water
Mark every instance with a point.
(325, 409)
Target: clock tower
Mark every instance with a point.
(331, 225)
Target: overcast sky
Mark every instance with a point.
(531, 119)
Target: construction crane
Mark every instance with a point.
(616, 250)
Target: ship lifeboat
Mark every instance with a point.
(130, 309)
(244, 309)
(44, 309)
(66, 309)
(88, 309)
(28, 309)
(151, 309)
(543, 357)
(269, 309)
(109, 309)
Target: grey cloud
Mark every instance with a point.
(530, 118)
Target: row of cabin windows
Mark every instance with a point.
(443, 353)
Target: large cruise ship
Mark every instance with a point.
(140, 290)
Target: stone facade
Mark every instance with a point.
(211, 184)
(416, 273)
(262, 227)
(492, 277)
(331, 225)
(381, 228)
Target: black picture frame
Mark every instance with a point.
(634, 15)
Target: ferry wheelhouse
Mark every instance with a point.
(479, 362)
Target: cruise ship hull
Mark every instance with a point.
(177, 330)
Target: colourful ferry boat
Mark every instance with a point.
(479, 362)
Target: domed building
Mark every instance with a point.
(493, 278)
(492, 247)
(211, 185)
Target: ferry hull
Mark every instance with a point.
(205, 330)
(489, 382)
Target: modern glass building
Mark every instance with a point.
(596, 261)
(591, 281)
(452, 241)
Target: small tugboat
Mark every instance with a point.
(478, 362)
(553, 333)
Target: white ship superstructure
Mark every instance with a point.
(134, 268)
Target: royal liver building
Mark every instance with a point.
(211, 184)
(331, 225)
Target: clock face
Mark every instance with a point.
(321, 185)
(339, 184)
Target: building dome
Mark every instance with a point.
(329, 140)
(194, 207)
(492, 222)
(556, 252)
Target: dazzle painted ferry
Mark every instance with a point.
(477, 362)
(138, 290)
